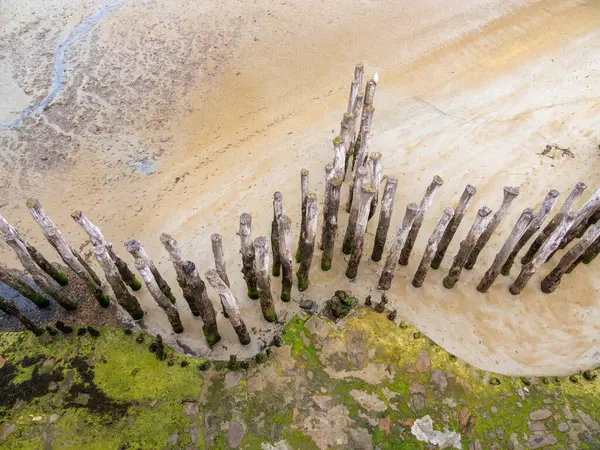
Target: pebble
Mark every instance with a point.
(494, 410)
(540, 414)
(563, 427)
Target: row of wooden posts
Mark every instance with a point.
(363, 172)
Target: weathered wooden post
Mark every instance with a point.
(375, 168)
(217, 248)
(435, 184)
(466, 247)
(11, 309)
(554, 223)
(303, 195)
(552, 280)
(385, 281)
(134, 247)
(285, 240)
(329, 174)
(533, 227)
(124, 298)
(354, 91)
(517, 232)
(277, 213)
(366, 197)
(230, 305)
(330, 222)
(542, 254)
(361, 158)
(360, 179)
(261, 267)
(39, 259)
(385, 217)
(97, 238)
(431, 248)
(247, 250)
(346, 134)
(591, 253)
(459, 212)
(19, 285)
(307, 245)
(41, 279)
(158, 295)
(339, 157)
(369, 92)
(584, 214)
(510, 193)
(359, 71)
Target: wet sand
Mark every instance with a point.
(472, 92)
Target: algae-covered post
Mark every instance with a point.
(375, 169)
(124, 298)
(534, 226)
(17, 283)
(158, 295)
(247, 251)
(330, 222)
(303, 194)
(459, 213)
(12, 310)
(261, 267)
(362, 219)
(217, 248)
(435, 184)
(230, 305)
(197, 288)
(360, 179)
(385, 217)
(307, 245)
(466, 247)
(555, 222)
(285, 240)
(548, 247)
(552, 280)
(134, 247)
(385, 281)
(517, 232)
(329, 174)
(431, 248)
(277, 213)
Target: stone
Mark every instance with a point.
(173, 439)
(590, 423)
(439, 380)
(423, 364)
(465, 385)
(194, 428)
(235, 435)
(466, 421)
(153, 403)
(424, 432)
(417, 402)
(417, 389)
(53, 418)
(540, 414)
(368, 401)
(6, 430)
(2, 362)
(324, 402)
(47, 364)
(385, 424)
(563, 427)
(409, 422)
(308, 305)
(233, 378)
(494, 410)
(191, 410)
(82, 399)
(66, 385)
(475, 445)
(449, 401)
(360, 438)
(52, 386)
(500, 433)
(537, 427)
(539, 441)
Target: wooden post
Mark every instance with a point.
(230, 305)
(517, 232)
(584, 214)
(247, 251)
(41, 279)
(591, 253)
(328, 176)
(97, 238)
(435, 184)
(466, 247)
(307, 245)
(303, 193)
(366, 197)
(385, 217)
(431, 248)
(330, 222)
(533, 227)
(39, 259)
(339, 157)
(12, 310)
(277, 213)
(360, 179)
(197, 288)
(124, 298)
(346, 135)
(360, 162)
(375, 166)
(554, 223)
(385, 281)
(510, 193)
(217, 249)
(542, 254)
(359, 72)
(134, 247)
(552, 280)
(369, 93)
(354, 90)
(261, 267)
(459, 212)
(158, 295)
(285, 240)
(19, 285)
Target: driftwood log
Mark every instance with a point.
(466, 247)
(548, 247)
(385, 281)
(459, 213)
(134, 247)
(247, 250)
(303, 194)
(435, 184)
(375, 169)
(261, 267)
(330, 222)
(385, 217)
(534, 226)
(360, 179)
(510, 194)
(17, 283)
(11, 309)
(220, 265)
(307, 245)
(277, 213)
(431, 248)
(230, 305)
(285, 240)
(362, 219)
(514, 237)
